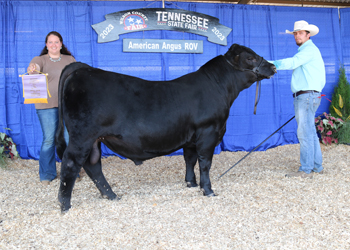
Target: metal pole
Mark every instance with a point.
(257, 146)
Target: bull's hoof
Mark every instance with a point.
(64, 208)
(108, 194)
(64, 205)
(111, 197)
(191, 184)
(209, 194)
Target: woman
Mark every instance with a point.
(53, 58)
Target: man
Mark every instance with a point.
(308, 80)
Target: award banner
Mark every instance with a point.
(127, 21)
(35, 88)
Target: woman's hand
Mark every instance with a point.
(32, 68)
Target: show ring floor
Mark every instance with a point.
(256, 207)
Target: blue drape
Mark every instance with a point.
(24, 25)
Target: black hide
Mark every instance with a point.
(141, 119)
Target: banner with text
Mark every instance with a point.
(127, 21)
(35, 88)
(162, 45)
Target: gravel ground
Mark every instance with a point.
(256, 207)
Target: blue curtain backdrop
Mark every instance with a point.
(24, 25)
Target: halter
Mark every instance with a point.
(255, 70)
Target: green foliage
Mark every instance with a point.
(344, 133)
(340, 106)
(7, 148)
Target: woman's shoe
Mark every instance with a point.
(45, 183)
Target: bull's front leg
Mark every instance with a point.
(190, 155)
(206, 142)
(205, 183)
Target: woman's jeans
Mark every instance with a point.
(305, 106)
(47, 161)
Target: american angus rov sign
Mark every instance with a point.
(162, 45)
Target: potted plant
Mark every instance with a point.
(340, 106)
(7, 148)
(328, 127)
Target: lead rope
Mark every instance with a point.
(257, 95)
(257, 146)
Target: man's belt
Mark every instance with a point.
(304, 92)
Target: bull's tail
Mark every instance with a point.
(66, 72)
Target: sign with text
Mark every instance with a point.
(34, 88)
(127, 21)
(162, 45)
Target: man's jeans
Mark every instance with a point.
(305, 106)
(47, 162)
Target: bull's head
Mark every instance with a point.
(245, 59)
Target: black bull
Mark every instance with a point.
(141, 119)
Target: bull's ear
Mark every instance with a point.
(234, 46)
(233, 50)
(233, 54)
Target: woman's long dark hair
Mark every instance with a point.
(64, 49)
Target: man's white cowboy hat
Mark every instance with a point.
(303, 25)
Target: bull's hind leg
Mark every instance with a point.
(94, 171)
(190, 155)
(70, 168)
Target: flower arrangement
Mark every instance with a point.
(7, 148)
(328, 126)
